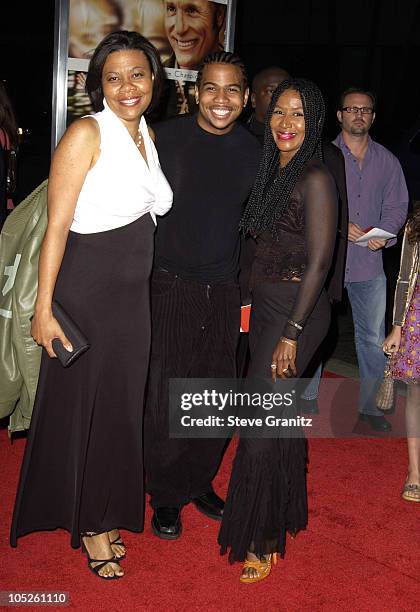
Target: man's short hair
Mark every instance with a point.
(223, 57)
(356, 90)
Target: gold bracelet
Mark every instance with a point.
(290, 342)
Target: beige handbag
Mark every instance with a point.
(386, 392)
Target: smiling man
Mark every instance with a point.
(210, 161)
(193, 29)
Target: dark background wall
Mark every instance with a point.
(374, 43)
(337, 43)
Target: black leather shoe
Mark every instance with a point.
(210, 504)
(376, 422)
(308, 406)
(166, 523)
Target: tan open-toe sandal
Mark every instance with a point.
(263, 568)
(411, 492)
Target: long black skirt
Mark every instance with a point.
(267, 490)
(83, 464)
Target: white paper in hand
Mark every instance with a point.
(374, 233)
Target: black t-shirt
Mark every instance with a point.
(257, 128)
(211, 177)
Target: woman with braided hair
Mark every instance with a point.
(292, 213)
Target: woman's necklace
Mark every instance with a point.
(138, 140)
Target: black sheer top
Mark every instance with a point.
(304, 245)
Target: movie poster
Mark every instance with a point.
(183, 31)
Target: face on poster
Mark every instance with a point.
(183, 31)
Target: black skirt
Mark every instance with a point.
(83, 463)
(267, 489)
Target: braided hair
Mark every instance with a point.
(223, 57)
(274, 186)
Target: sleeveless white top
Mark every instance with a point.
(120, 187)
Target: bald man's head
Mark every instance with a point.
(263, 85)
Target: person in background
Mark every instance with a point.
(293, 202)
(403, 344)
(195, 293)
(377, 197)
(263, 85)
(8, 133)
(83, 465)
(3, 198)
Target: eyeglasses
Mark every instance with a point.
(364, 110)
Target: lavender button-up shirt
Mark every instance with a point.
(377, 197)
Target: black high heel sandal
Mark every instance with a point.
(100, 562)
(119, 542)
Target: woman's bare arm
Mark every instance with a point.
(76, 153)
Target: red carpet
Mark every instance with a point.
(360, 551)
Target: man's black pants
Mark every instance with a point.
(195, 329)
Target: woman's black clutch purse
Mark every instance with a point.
(78, 340)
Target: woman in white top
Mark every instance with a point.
(83, 465)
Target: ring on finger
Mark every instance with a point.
(273, 366)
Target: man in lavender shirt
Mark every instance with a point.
(377, 197)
